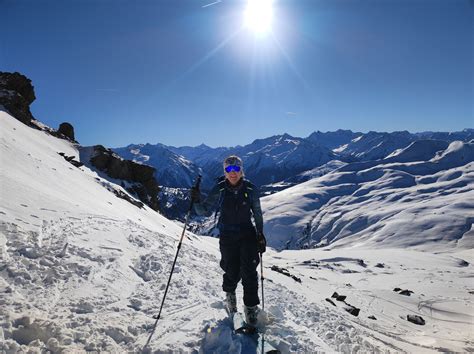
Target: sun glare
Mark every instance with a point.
(258, 16)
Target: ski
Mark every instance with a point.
(241, 328)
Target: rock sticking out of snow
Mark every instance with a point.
(416, 319)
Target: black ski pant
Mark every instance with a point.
(239, 260)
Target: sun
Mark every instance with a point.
(258, 17)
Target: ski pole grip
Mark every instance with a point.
(196, 185)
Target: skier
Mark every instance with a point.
(240, 242)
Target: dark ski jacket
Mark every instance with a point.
(235, 205)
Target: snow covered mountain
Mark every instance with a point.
(83, 270)
(419, 150)
(271, 159)
(374, 145)
(278, 161)
(463, 135)
(301, 177)
(333, 140)
(266, 160)
(385, 203)
(378, 145)
(202, 154)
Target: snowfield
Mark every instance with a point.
(424, 205)
(82, 270)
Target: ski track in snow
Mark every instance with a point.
(81, 270)
(68, 279)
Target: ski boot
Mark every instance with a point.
(231, 303)
(251, 315)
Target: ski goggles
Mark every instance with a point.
(231, 168)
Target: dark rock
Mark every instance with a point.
(349, 271)
(71, 160)
(397, 289)
(380, 265)
(124, 196)
(338, 297)
(372, 317)
(416, 319)
(406, 292)
(285, 271)
(295, 278)
(67, 130)
(280, 270)
(76, 163)
(330, 301)
(141, 177)
(354, 311)
(16, 95)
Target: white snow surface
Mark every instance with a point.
(426, 205)
(82, 270)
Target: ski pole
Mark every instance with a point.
(263, 298)
(261, 279)
(196, 185)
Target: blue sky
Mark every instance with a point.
(183, 73)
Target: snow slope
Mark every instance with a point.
(426, 205)
(82, 270)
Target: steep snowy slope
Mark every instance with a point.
(426, 205)
(301, 177)
(419, 150)
(82, 270)
(375, 145)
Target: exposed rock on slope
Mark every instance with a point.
(143, 182)
(16, 95)
(67, 130)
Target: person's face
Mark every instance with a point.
(233, 177)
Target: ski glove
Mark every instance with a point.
(195, 194)
(261, 242)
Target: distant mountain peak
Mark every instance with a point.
(203, 146)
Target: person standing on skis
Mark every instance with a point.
(240, 242)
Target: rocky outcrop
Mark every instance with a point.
(71, 160)
(140, 178)
(16, 95)
(67, 130)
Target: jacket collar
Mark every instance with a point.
(236, 187)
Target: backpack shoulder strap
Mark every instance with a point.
(248, 193)
(221, 185)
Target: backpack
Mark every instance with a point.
(221, 181)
